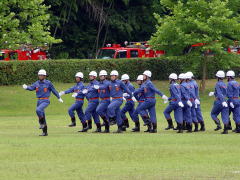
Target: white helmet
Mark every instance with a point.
(124, 77)
(220, 74)
(42, 72)
(114, 73)
(173, 76)
(230, 74)
(140, 78)
(103, 73)
(189, 74)
(93, 73)
(79, 74)
(182, 76)
(147, 73)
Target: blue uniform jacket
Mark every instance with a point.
(117, 88)
(175, 92)
(220, 91)
(233, 90)
(76, 89)
(104, 91)
(185, 91)
(92, 92)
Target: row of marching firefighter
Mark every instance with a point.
(105, 98)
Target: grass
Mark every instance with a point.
(66, 154)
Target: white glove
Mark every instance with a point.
(60, 100)
(181, 104)
(189, 103)
(24, 86)
(232, 105)
(125, 94)
(211, 94)
(74, 95)
(124, 99)
(110, 98)
(61, 93)
(96, 86)
(134, 99)
(165, 98)
(85, 91)
(197, 101)
(224, 104)
(196, 106)
(165, 101)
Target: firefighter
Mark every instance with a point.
(193, 97)
(197, 102)
(149, 91)
(233, 99)
(140, 98)
(129, 105)
(104, 94)
(117, 89)
(185, 94)
(79, 100)
(92, 96)
(43, 89)
(175, 104)
(220, 105)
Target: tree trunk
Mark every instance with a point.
(204, 73)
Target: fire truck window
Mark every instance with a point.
(122, 54)
(106, 54)
(13, 56)
(134, 53)
(2, 56)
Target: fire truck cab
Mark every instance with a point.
(133, 50)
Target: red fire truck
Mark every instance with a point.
(22, 55)
(131, 50)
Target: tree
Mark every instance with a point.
(190, 22)
(24, 22)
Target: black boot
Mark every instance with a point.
(196, 127)
(41, 122)
(137, 127)
(184, 125)
(189, 127)
(237, 128)
(202, 126)
(225, 130)
(98, 130)
(119, 130)
(149, 127)
(89, 122)
(154, 128)
(84, 127)
(180, 128)
(217, 122)
(177, 128)
(112, 121)
(126, 123)
(170, 124)
(73, 122)
(229, 125)
(44, 131)
(146, 120)
(106, 124)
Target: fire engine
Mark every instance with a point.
(22, 55)
(130, 50)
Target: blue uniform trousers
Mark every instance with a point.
(217, 109)
(178, 113)
(113, 110)
(91, 111)
(77, 106)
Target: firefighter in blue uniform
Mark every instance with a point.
(117, 88)
(43, 90)
(104, 95)
(141, 98)
(233, 99)
(220, 104)
(92, 96)
(129, 105)
(193, 97)
(185, 94)
(175, 104)
(79, 100)
(149, 91)
(197, 102)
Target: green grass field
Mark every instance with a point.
(66, 154)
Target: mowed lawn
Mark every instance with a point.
(67, 154)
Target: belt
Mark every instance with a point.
(191, 99)
(150, 97)
(234, 98)
(105, 98)
(129, 99)
(140, 101)
(173, 99)
(79, 99)
(43, 98)
(93, 98)
(117, 98)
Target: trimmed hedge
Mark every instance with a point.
(19, 72)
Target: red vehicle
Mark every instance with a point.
(22, 55)
(133, 50)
